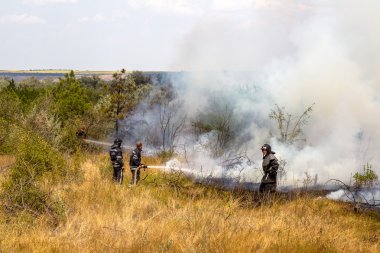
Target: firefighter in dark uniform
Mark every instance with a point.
(270, 167)
(135, 163)
(116, 155)
(81, 133)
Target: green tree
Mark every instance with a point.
(70, 98)
(124, 95)
(139, 78)
(10, 104)
(12, 84)
(93, 82)
(218, 118)
(93, 86)
(29, 91)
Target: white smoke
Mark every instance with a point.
(370, 197)
(293, 54)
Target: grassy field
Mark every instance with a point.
(167, 213)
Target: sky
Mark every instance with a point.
(136, 34)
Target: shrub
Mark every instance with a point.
(36, 163)
(366, 178)
(10, 105)
(5, 146)
(289, 125)
(218, 119)
(68, 140)
(41, 121)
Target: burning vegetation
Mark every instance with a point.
(56, 182)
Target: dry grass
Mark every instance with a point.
(166, 213)
(6, 161)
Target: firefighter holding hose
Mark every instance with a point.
(270, 167)
(135, 163)
(116, 155)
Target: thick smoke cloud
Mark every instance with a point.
(293, 54)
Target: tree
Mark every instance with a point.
(12, 84)
(171, 124)
(170, 120)
(10, 104)
(124, 96)
(290, 126)
(218, 119)
(139, 78)
(29, 91)
(70, 98)
(93, 82)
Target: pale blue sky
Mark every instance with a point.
(131, 34)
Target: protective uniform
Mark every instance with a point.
(270, 167)
(116, 155)
(134, 163)
(81, 133)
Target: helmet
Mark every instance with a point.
(139, 145)
(117, 141)
(267, 147)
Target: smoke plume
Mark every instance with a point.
(293, 54)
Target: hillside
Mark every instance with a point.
(168, 213)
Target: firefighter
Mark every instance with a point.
(81, 133)
(116, 155)
(270, 167)
(135, 163)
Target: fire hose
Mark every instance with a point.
(160, 167)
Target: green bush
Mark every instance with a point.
(68, 141)
(41, 121)
(10, 105)
(38, 167)
(5, 146)
(366, 178)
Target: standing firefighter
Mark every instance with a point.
(270, 167)
(135, 163)
(116, 155)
